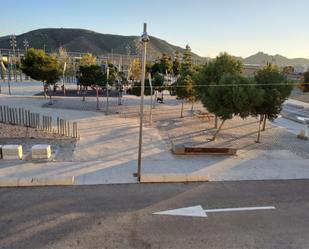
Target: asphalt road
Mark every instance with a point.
(120, 216)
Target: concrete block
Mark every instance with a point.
(302, 135)
(165, 178)
(12, 152)
(178, 149)
(41, 151)
(28, 182)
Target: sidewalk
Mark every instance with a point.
(107, 153)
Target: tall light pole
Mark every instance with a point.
(26, 45)
(107, 93)
(13, 44)
(144, 39)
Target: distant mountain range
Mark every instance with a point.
(81, 40)
(262, 59)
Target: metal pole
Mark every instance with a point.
(144, 40)
(151, 100)
(107, 77)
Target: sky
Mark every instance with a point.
(239, 27)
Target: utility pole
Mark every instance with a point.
(144, 39)
(13, 44)
(26, 46)
(151, 99)
(107, 93)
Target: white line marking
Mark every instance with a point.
(239, 209)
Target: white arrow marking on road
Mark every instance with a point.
(198, 211)
(195, 211)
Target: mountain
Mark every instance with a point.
(262, 59)
(81, 40)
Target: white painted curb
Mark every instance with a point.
(162, 178)
(27, 182)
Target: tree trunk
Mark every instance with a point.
(155, 100)
(44, 89)
(216, 122)
(264, 123)
(181, 112)
(50, 95)
(84, 93)
(218, 130)
(97, 93)
(192, 107)
(258, 140)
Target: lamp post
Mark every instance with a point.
(13, 44)
(107, 93)
(144, 40)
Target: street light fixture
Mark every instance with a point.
(26, 45)
(144, 39)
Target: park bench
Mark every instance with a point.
(187, 150)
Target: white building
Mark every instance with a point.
(300, 69)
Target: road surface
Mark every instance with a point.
(121, 216)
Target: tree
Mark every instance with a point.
(184, 90)
(51, 72)
(87, 60)
(42, 67)
(136, 69)
(304, 85)
(209, 76)
(186, 67)
(176, 64)
(91, 75)
(166, 64)
(85, 64)
(234, 95)
(276, 90)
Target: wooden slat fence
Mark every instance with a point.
(26, 118)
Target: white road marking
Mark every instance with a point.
(198, 211)
(195, 211)
(238, 209)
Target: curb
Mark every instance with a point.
(165, 178)
(29, 182)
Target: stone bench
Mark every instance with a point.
(41, 151)
(12, 152)
(187, 150)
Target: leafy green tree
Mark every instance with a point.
(42, 67)
(166, 64)
(186, 67)
(210, 75)
(234, 95)
(91, 75)
(276, 90)
(176, 64)
(304, 85)
(184, 90)
(184, 86)
(87, 60)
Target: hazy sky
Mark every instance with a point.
(240, 27)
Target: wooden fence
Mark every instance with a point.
(22, 117)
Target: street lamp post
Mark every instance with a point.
(144, 40)
(13, 44)
(107, 93)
